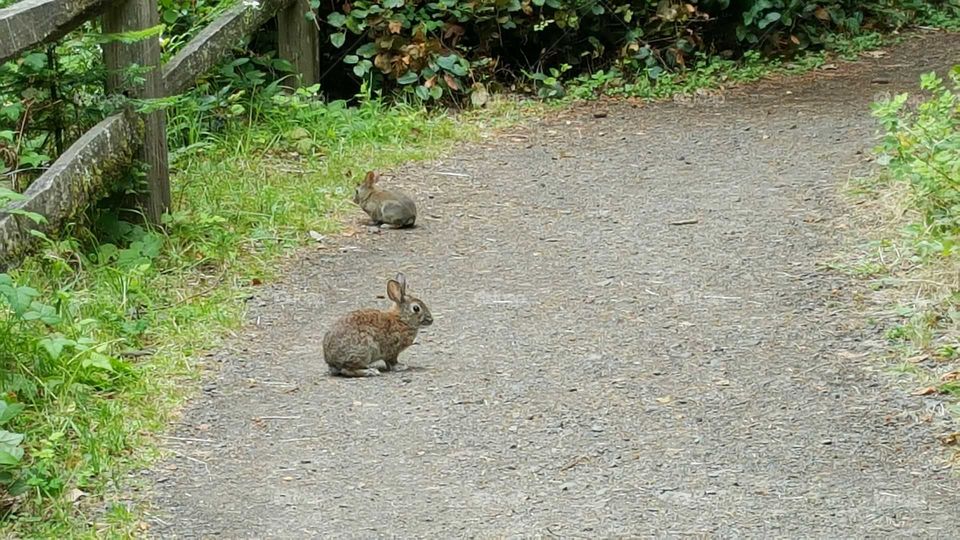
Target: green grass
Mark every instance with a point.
(706, 74)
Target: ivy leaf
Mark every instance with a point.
(362, 68)
(35, 61)
(19, 298)
(32, 216)
(408, 78)
(8, 438)
(351, 59)
(367, 50)
(10, 451)
(452, 82)
(769, 19)
(422, 92)
(9, 410)
(55, 344)
(10, 456)
(280, 64)
(97, 360)
(459, 70)
(338, 39)
(42, 312)
(392, 4)
(34, 159)
(741, 32)
(447, 62)
(336, 19)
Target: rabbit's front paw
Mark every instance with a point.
(368, 372)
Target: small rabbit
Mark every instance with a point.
(366, 336)
(384, 206)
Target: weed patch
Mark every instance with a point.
(912, 209)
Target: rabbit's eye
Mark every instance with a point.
(416, 308)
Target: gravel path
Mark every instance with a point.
(594, 370)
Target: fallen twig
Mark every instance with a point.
(187, 439)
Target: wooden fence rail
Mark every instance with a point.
(210, 45)
(81, 173)
(32, 22)
(85, 170)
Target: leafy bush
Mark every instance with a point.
(922, 147)
(11, 451)
(48, 355)
(436, 49)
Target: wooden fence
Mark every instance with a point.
(86, 168)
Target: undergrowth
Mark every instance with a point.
(912, 264)
(455, 49)
(706, 72)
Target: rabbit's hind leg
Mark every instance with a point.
(359, 365)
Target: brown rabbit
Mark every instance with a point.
(390, 207)
(366, 336)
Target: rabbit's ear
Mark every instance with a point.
(395, 291)
(370, 179)
(402, 280)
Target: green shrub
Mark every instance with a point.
(11, 451)
(437, 49)
(921, 146)
(48, 356)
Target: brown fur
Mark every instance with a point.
(366, 336)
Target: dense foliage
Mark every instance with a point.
(452, 47)
(921, 147)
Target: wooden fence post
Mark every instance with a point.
(298, 41)
(131, 16)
